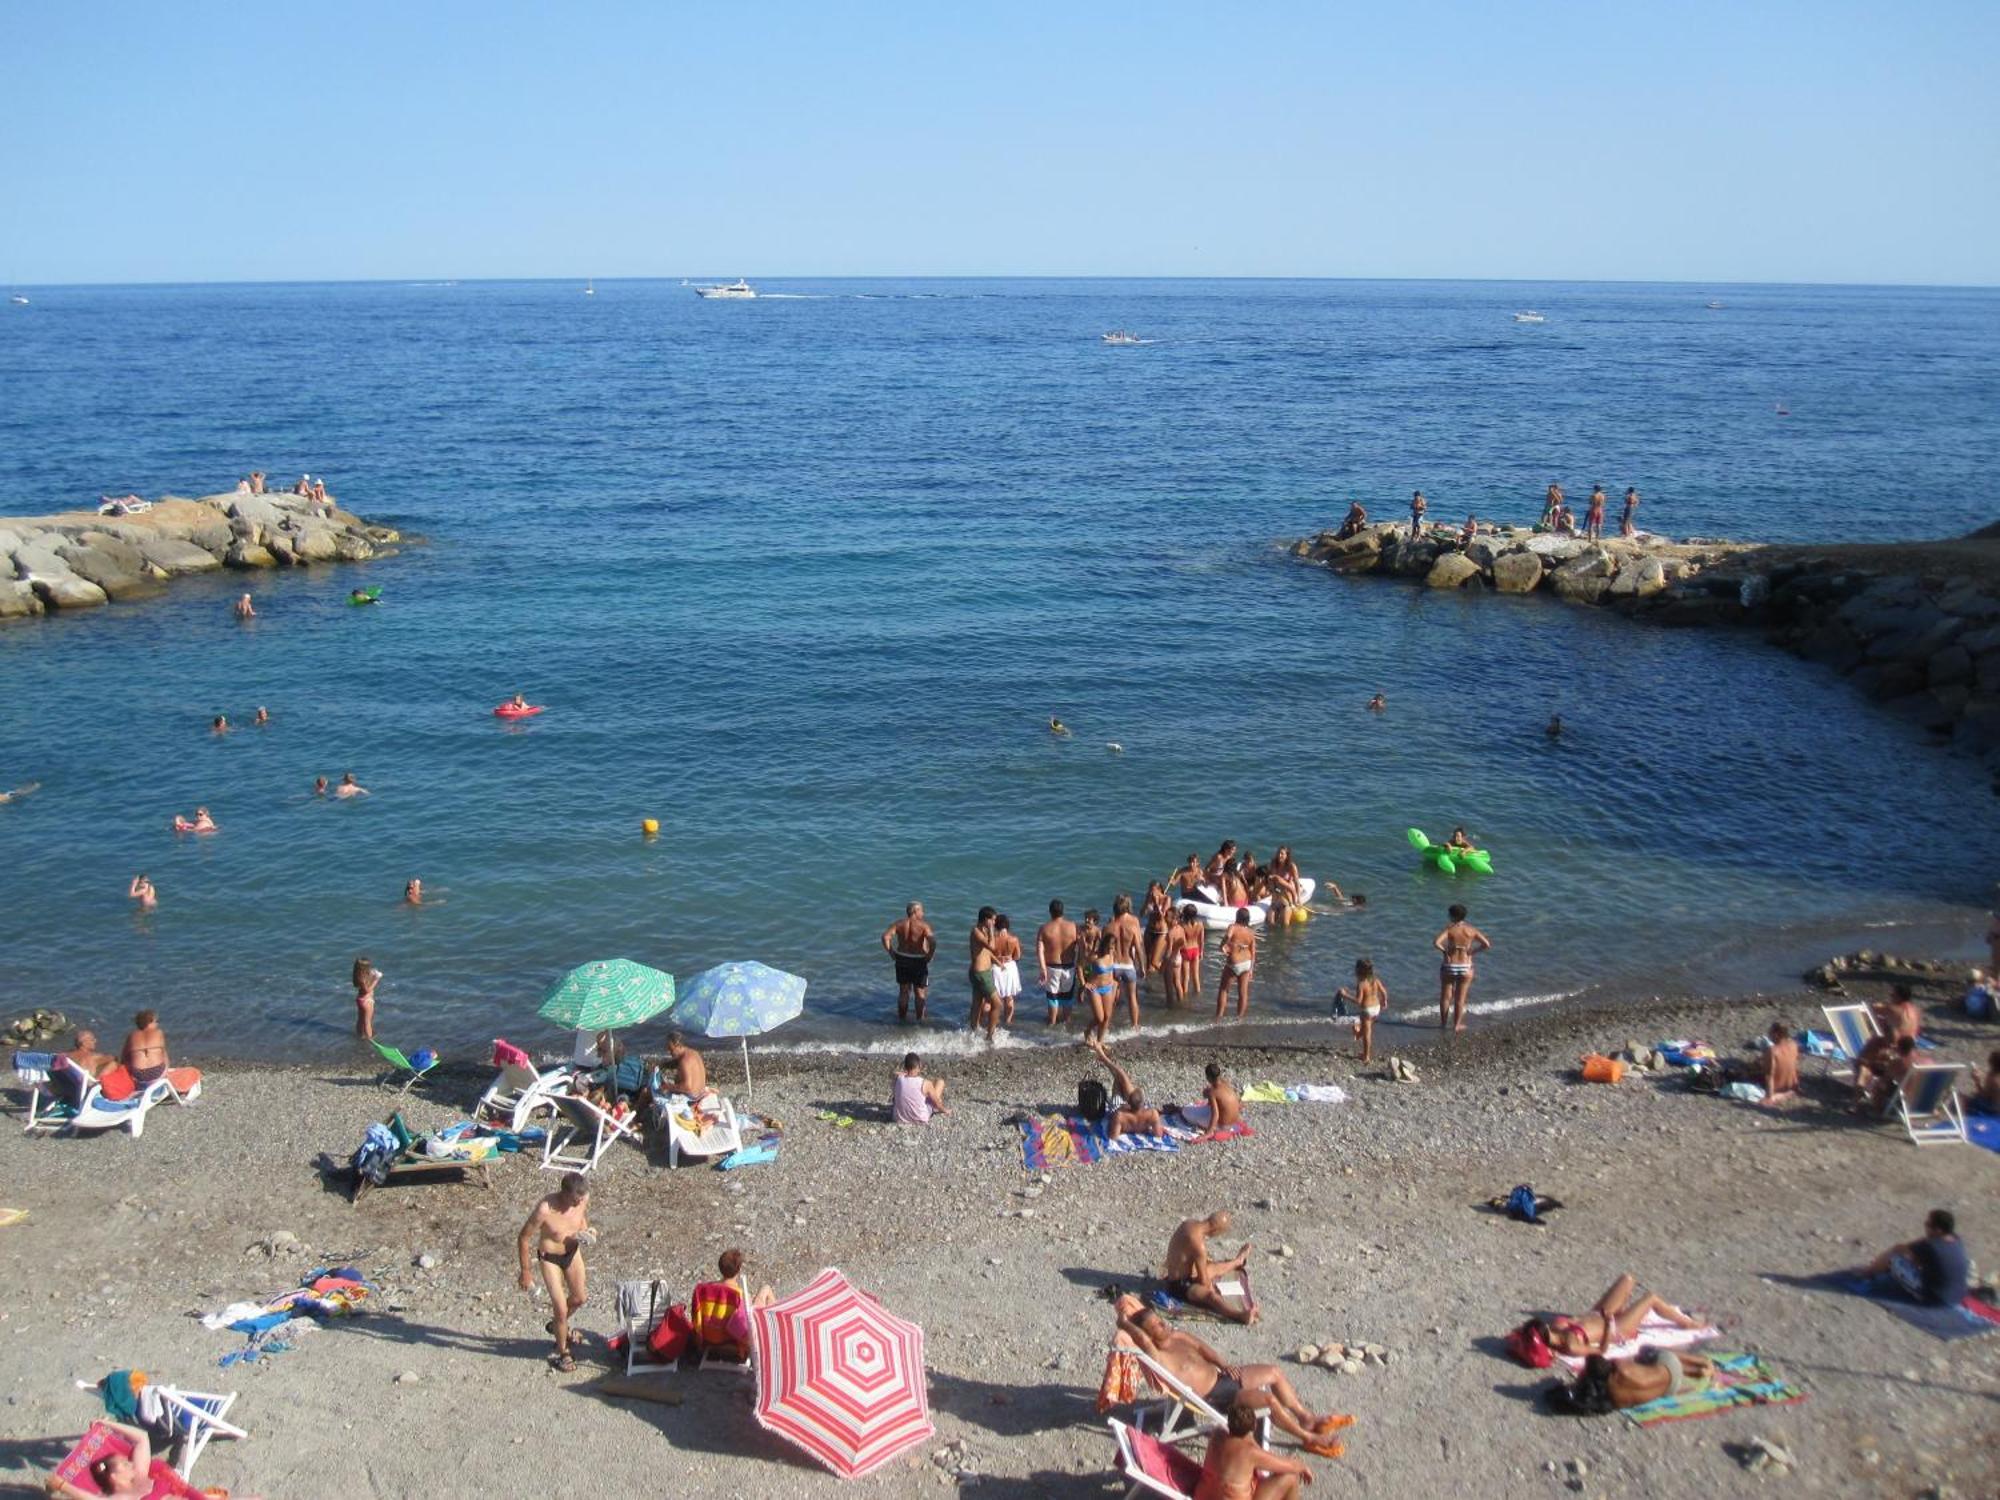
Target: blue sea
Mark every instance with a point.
(803, 578)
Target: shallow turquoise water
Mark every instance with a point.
(803, 578)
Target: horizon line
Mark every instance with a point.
(677, 278)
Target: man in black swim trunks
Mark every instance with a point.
(553, 1238)
(912, 944)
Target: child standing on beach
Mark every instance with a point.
(1368, 997)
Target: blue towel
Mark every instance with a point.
(35, 1062)
(749, 1156)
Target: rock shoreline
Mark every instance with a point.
(1914, 625)
(80, 559)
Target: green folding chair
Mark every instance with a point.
(400, 1064)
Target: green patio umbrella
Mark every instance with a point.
(607, 994)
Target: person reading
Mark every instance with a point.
(1191, 1274)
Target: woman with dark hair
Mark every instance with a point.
(145, 1050)
(1613, 1319)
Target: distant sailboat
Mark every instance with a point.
(590, 289)
(1784, 410)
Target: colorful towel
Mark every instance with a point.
(1266, 1092)
(1654, 1333)
(1740, 1380)
(1068, 1140)
(1970, 1319)
(749, 1156)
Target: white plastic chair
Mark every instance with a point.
(518, 1091)
(1853, 1028)
(577, 1120)
(1928, 1104)
(717, 1139)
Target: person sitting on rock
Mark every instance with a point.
(1356, 519)
(1190, 1274)
(1263, 1389)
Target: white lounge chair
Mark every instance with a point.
(47, 1108)
(1853, 1028)
(193, 1417)
(716, 1138)
(641, 1307)
(520, 1089)
(127, 1114)
(1928, 1103)
(1153, 1466)
(578, 1121)
(1178, 1403)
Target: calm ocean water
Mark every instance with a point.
(804, 577)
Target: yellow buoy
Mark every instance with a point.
(649, 826)
(1300, 914)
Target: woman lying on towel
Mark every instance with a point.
(1608, 1385)
(1615, 1319)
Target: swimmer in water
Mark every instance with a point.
(19, 792)
(1555, 729)
(220, 724)
(263, 716)
(349, 787)
(1378, 704)
(1459, 839)
(245, 610)
(319, 786)
(519, 700)
(413, 892)
(360, 596)
(141, 890)
(1057, 727)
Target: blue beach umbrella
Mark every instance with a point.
(740, 1000)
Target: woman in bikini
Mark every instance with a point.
(1614, 1319)
(1239, 959)
(1159, 920)
(145, 1050)
(1006, 968)
(1283, 876)
(1193, 937)
(1369, 997)
(366, 978)
(1103, 988)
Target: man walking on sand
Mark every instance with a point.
(1457, 944)
(1055, 952)
(553, 1238)
(912, 944)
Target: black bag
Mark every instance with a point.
(1091, 1100)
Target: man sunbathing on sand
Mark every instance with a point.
(1617, 1312)
(1262, 1388)
(1238, 1467)
(1190, 1275)
(1129, 1113)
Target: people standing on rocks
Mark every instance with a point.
(1239, 960)
(366, 978)
(1006, 968)
(911, 944)
(256, 481)
(1551, 503)
(1593, 520)
(245, 610)
(1456, 946)
(553, 1239)
(1628, 523)
(141, 890)
(1128, 945)
(145, 1051)
(1055, 956)
(1368, 997)
(349, 787)
(1418, 505)
(979, 971)
(913, 1097)
(1190, 1274)
(1357, 518)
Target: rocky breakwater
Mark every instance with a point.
(80, 559)
(1915, 625)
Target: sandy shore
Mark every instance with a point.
(1714, 1204)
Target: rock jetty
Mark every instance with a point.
(81, 559)
(1915, 625)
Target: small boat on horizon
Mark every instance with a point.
(18, 300)
(737, 290)
(1121, 336)
(590, 289)
(1529, 317)
(1715, 307)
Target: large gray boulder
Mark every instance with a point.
(352, 547)
(56, 584)
(1482, 550)
(259, 511)
(1517, 572)
(244, 553)
(18, 599)
(1451, 571)
(114, 565)
(172, 555)
(1638, 578)
(1555, 549)
(315, 541)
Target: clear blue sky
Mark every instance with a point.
(1797, 140)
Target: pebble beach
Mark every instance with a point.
(1367, 1217)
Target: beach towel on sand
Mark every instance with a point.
(1067, 1140)
(1740, 1380)
(1983, 1130)
(1972, 1318)
(1654, 1333)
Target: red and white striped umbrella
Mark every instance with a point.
(841, 1377)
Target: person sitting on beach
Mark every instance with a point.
(913, 1097)
(366, 977)
(245, 610)
(1614, 1319)
(1934, 1270)
(730, 1265)
(1239, 961)
(1238, 1467)
(349, 787)
(1224, 1104)
(553, 1239)
(911, 944)
(1190, 1274)
(1126, 1111)
(690, 1069)
(83, 1052)
(1780, 1070)
(1987, 1100)
(116, 1476)
(1263, 1388)
(145, 1051)
(1378, 704)
(1356, 519)
(1898, 1016)
(1888, 1072)
(141, 890)
(1368, 997)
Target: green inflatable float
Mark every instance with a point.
(1444, 857)
(365, 596)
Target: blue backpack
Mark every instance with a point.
(1521, 1205)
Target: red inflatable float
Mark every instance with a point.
(517, 711)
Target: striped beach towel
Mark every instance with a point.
(1740, 1380)
(1067, 1141)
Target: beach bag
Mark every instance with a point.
(116, 1083)
(1529, 1345)
(1521, 1205)
(669, 1339)
(1600, 1069)
(1091, 1100)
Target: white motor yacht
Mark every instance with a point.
(738, 290)
(1529, 317)
(1121, 336)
